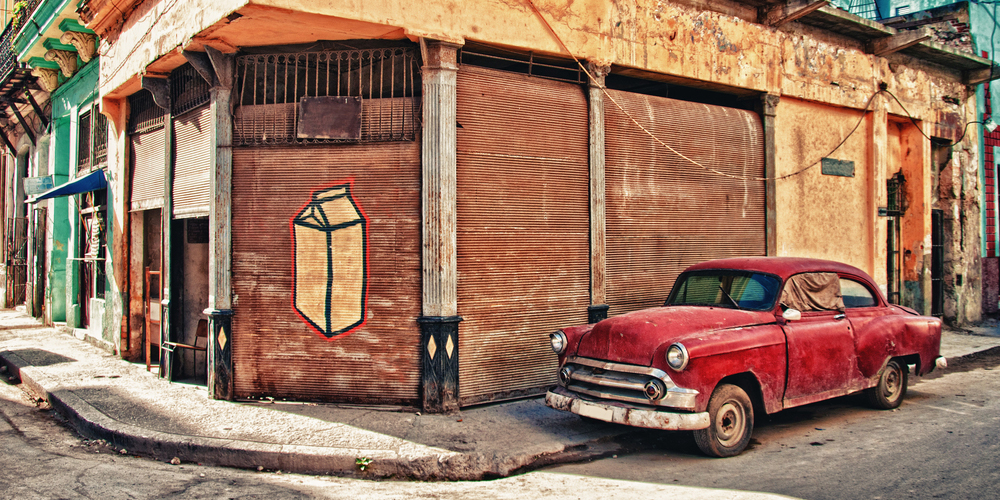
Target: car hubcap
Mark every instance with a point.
(729, 423)
(891, 385)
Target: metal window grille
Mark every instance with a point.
(937, 263)
(144, 114)
(188, 90)
(100, 138)
(864, 8)
(894, 198)
(84, 134)
(92, 139)
(527, 63)
(269, 88)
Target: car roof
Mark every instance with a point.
(783, 267)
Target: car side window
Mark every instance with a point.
(855, 294)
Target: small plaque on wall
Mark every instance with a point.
(330, 118)
(842, 168)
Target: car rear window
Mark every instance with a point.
(725, 288)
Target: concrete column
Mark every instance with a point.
(598, 308)
(769, 110)
(877, 195)
(220, 354)
(439, 323)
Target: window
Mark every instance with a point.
(92, 139)
(725, 288)
(855, 294)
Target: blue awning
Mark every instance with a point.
(90, 182)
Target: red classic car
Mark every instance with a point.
(737, 336)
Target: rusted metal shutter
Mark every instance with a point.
(522, 229)
(148, 166)
(192, 193)
(665, 213)
(276, 350)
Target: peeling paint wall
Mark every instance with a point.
(823, 216)
(958, 188)
(824, 81)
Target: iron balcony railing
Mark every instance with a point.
(8, 60)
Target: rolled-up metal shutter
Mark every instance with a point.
(664, 212)
(192, 188)
(148, 166)
(522, 228)
(280, 349)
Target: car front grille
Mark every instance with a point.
(622, 382)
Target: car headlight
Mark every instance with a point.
(677, 357)
(558, 340)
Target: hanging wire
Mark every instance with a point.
(604, 89)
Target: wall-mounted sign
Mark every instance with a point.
(37, 185)
(842, 168)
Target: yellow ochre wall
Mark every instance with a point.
(823, 216)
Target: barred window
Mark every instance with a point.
(270, 88)
(92, 139)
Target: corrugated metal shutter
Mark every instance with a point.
(192, 193)
(663, 212)
(275, 351)
(523, 228)
(148, 166)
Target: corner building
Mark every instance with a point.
(395, 204)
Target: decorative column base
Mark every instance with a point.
(220, 359)
(597, 313)
(439, 381)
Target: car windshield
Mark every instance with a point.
(725, 288)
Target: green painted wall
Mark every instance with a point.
(60, 220)
(75, 94)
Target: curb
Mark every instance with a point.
(452, 466)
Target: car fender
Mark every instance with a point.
(758, 350)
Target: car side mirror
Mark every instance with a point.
(791, 315)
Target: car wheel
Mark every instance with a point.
(891, 387)
(731, 415)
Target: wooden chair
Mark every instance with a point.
(201, 332)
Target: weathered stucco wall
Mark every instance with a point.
(823, 78)
(661, 37)
(820, 215)
(958, 196)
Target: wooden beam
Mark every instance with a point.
(6, 142)
(223, 66)
(977, 76)
(37, 108)
(24, 123)
(199, 61)
(160, 88)
(897, 42)
(788, 12)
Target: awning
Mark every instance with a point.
(90, 182)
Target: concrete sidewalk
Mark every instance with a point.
(107, 398)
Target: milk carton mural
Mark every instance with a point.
(330, 246)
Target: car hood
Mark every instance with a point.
(632, 338)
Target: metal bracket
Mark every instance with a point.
(160, 88)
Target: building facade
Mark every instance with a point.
(387, 205)
(56, 152)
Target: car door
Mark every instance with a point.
(821, 351)
(874, 340)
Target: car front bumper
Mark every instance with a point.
(621, 413)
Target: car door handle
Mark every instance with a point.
(840, 317)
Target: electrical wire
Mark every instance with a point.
(864, 113)
(604, 90)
